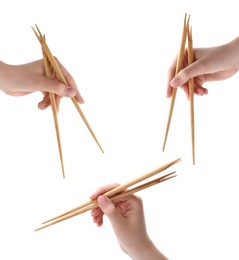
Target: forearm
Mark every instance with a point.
(4, 74)
(234, 47)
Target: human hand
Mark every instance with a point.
(210, 64)
(19, 80)
(127, 219)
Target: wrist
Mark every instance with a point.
(146, 250)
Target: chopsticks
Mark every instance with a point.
(51, 64)
(117, 193)
(48, 71)
(191, 91)
(186, 35)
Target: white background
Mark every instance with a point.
(118, 53)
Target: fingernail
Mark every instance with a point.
(102, 200)
(82, 100)
(42, 106)
(92, 196)
(93, 212)
(200, 92)
(176, 82)
(70, 92)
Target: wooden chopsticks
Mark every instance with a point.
(186, 35)
(48, 71)
(115, 194)
(50, 65)
(191, 90)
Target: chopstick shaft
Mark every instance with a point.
(122, 187)
(191, 92)
(113, 198)
(141, 178)
(143, 186)
(86, 122)
(54, 110)
(178, 68)
(61, 77)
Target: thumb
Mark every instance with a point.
(109, 209)
(185, 74)
(56, 87)
(106, 205)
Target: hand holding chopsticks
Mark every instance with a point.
(116, 193)
(186, 35)
(51, 64)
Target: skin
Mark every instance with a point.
(127, 216)
(20, 80)
(128, 222)
(210, 64)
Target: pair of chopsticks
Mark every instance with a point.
(186, 36)
(117, 193)
(50, 64)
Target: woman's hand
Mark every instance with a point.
(127, 219)
(19, 80)
(210, 64)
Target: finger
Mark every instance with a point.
(195, 69)
(109, 209)
(97, 219)
(45, 102)
(54, 86)
(71, 82)
(96, 212)
(57, 100)
(201, 91)
(185, 88)
(198, 87)
(103, 190)
(97, 215)
(171, 74)
(169, 91)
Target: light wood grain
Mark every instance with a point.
(186, 36)
(48, 72)
(191, 92)
(61, 77)
(117, 193)
(178, 68)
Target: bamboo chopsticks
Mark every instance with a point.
(115, 194)
(186, 35)
(50, 65)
